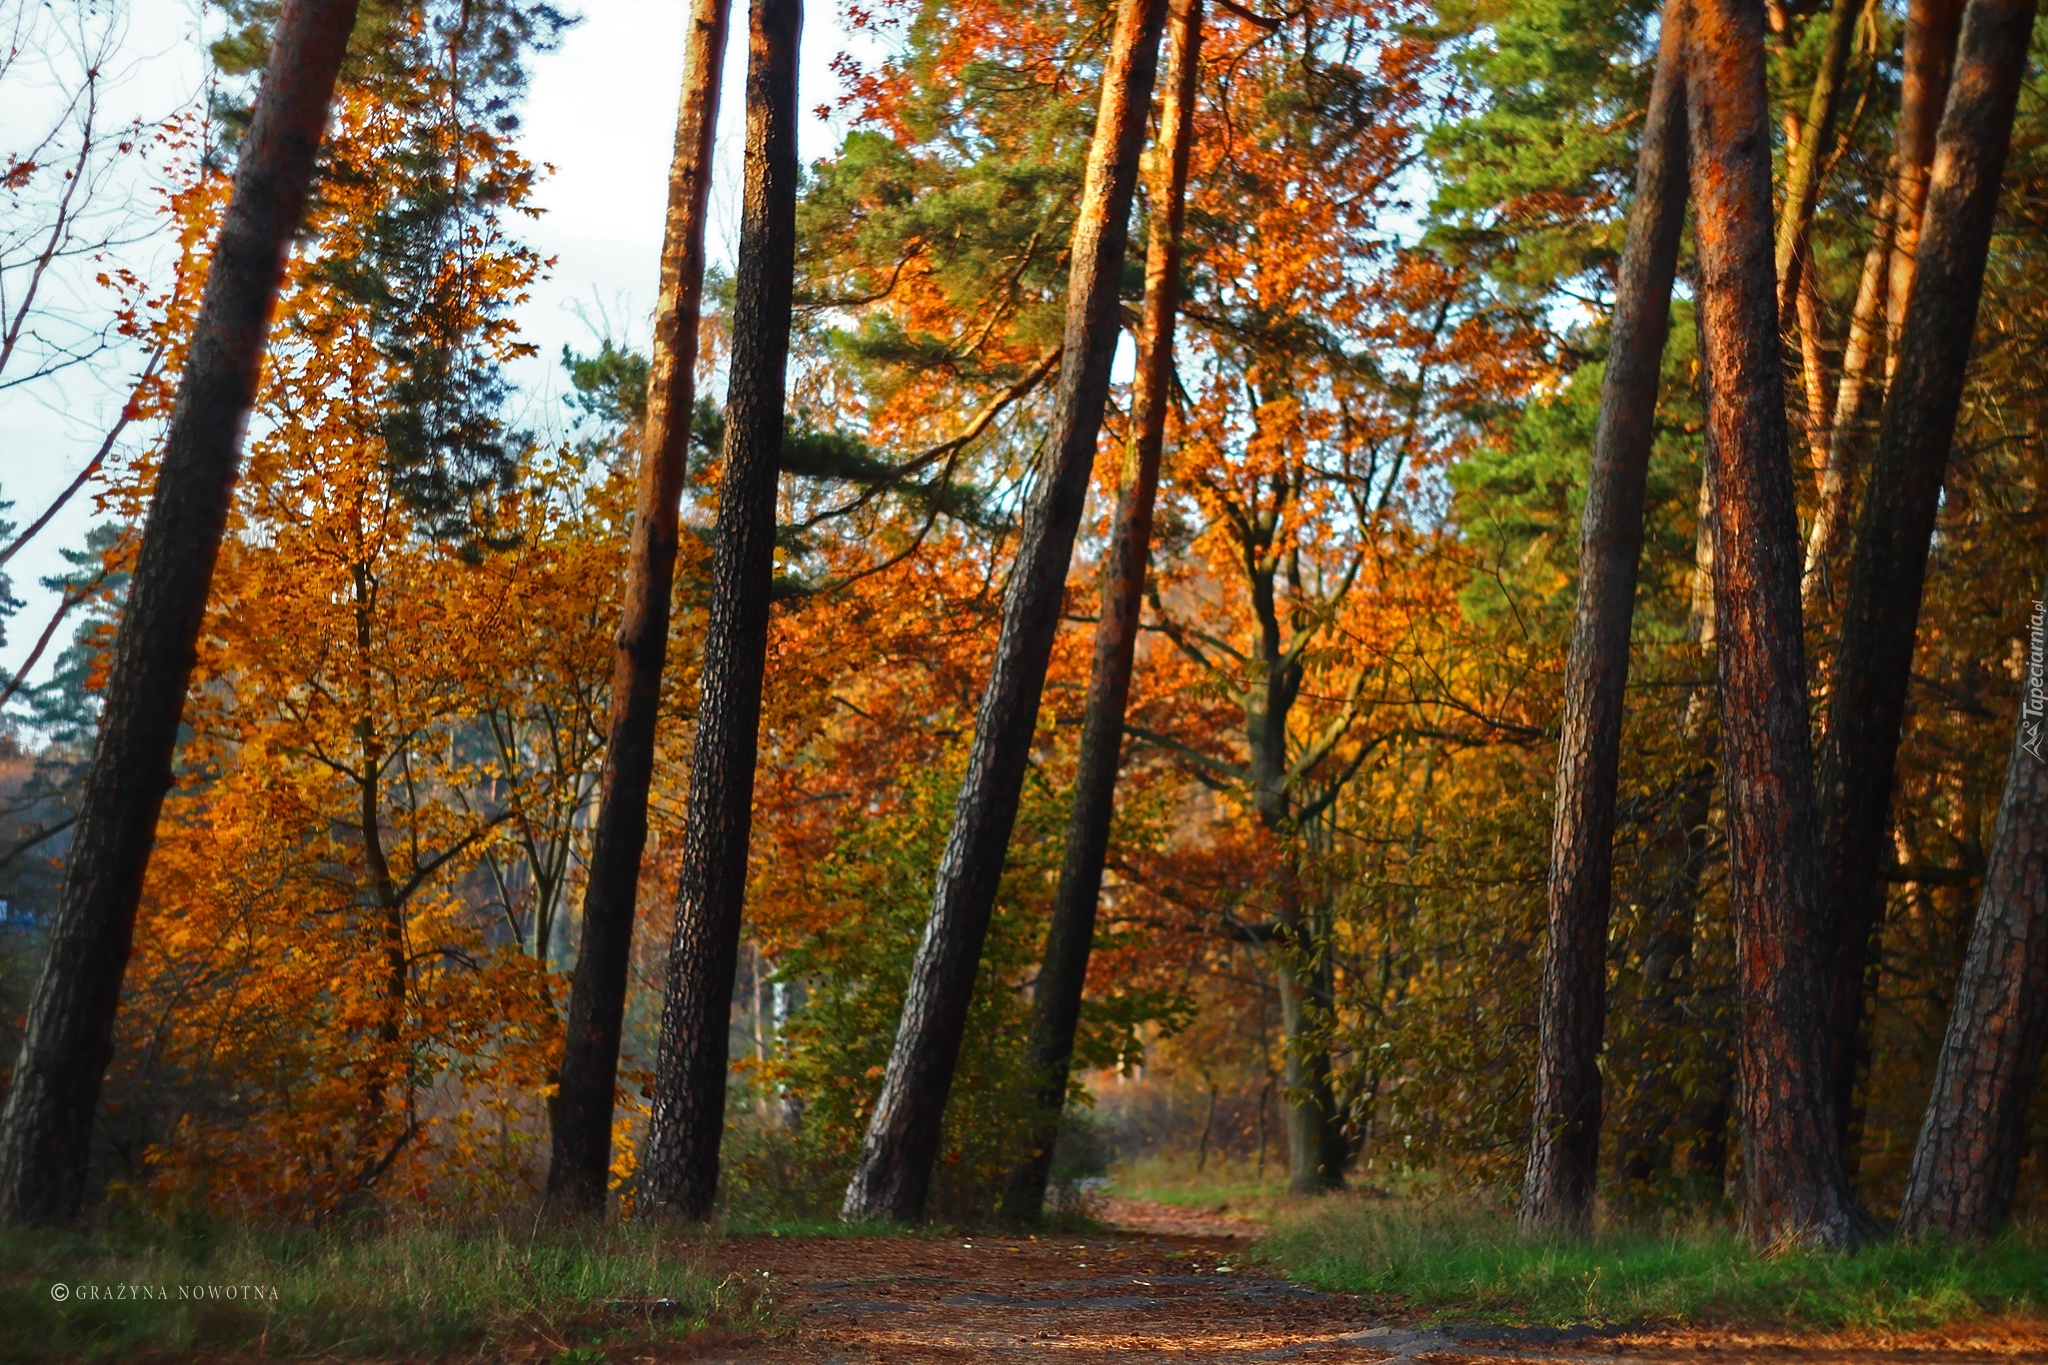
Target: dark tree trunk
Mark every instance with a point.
(1975, 1130)
(1307, 978)
(46, 1129)
(1564, 1145)
(1796, 1189)
(579, 1171)
(902, 1141)
(1056, 998)
(680, 1172)
(1888, 565)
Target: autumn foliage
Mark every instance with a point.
(1326, 875)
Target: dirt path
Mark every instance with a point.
(1175, 1286)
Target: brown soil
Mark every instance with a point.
(1175, 1285)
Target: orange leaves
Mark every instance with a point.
(346, 965)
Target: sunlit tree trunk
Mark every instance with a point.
(680, 1167)
(1825, 535)
(1881, 611)
(1564, 1143)
(1056, 998)
(579, 1170)
(1796, 1191)
(46, 1128)
(902, 1141)
(1931, 27)
(1974, 1133)
(1802, 175)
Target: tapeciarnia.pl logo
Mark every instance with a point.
(2034, 699)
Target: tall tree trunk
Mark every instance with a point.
(902, 1140)
(1974, 1133)
(1932, 27)
(1564, 1144)
(46, 1128)
(1307, 979)
(681, 1166)
(1866, 324)
(1796, 1190)
(1887, 279)
(1056, 999)
(1802, 174)
(1888, 566)
(579, 1170)
(1806, 316)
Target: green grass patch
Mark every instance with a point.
(1460, 1263)
(134, 1287)
(1218, 1186)
(739, 1223)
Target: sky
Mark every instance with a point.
(601, 112)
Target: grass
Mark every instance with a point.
(352, 1293)
(740, 1223)
(1453, 1262)
(1221, 1185)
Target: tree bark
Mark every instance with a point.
(1973, 1136)
(681, 1167)
(1307, 978)
(1932, 28)
(1564, 1144)
(1806, 316)
(580, 1167)
(1796, 1189)
(1063, 971)
(46, 1128)
(1888, 565)
(902, 1141)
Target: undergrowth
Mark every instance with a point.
(1460, 1263)
(130, 1286)
(1218, 1185)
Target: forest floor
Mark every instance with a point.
(1195, 1276)
(1168, 1284)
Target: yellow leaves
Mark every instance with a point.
(341, 968)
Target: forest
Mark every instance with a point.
(1384, 610)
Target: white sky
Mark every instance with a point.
(601, 111)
